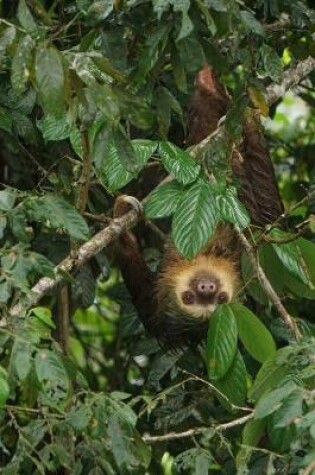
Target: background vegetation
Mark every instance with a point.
(92, 103)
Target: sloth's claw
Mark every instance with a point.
(125, 203)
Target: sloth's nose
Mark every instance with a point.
(206, 287)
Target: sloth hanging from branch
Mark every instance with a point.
(175, 304)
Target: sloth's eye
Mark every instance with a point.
(188, 297)
(223, 297)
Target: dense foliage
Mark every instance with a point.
(92, 103)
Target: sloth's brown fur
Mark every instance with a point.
(161, 300)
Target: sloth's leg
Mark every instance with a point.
(138, 278)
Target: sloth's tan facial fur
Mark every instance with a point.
(196, 287)
(204, 284)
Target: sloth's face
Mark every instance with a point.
(203, 285)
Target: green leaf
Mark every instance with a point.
(291, 257)
(44, 315)
(187, 25)
(21, 358)
(273, 400)
(253, 432)
(196, 461)
(191, 53)
(53, 376)
(231, 209)
(272, 62)
(165, 103)
(291, 409)
(154, 47)
(3, 225)
(270, 374)
(307, 249)
(129, 450)
(54, 127)
(21, 64)
(79, 418)
(116, 174)
(108, 162)
(221, 342)
(256, 338)
(7, 199)
(4, 387)
(163, 201)
(113, 146)
(250, 22)
(194, 220)
(75, 138)
(280, 437)
(178, 162)
(234, 383)
(26, 18)
(58, 213)
(105, 100)
(50, 80)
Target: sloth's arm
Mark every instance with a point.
(137, 276)
(251, 163)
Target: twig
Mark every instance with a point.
(288, 320)
(86, 173)
(309, 469)
(196, 431)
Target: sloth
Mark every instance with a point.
(175, 304)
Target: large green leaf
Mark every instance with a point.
(178, 162)
(129, 450)
(221, 342)
(234, 383)
(155, 45)
(250, 22)
(113, 145)
(116, 174)
(52, 375)
(273, 400)
(195, 219)
(163, 201)
(270, 374)
(54, 127)
(291, 256)
(21, 64)
(231, 209)
(256, 338)
(50, 79)
(26, 18)
(58, 213)
(108, 162)
(4, 387)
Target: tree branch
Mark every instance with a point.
(89, 249)
(274, 298)
(152, 439)
(291, 77)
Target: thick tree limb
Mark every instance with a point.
(89, 249)
(291, 77)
